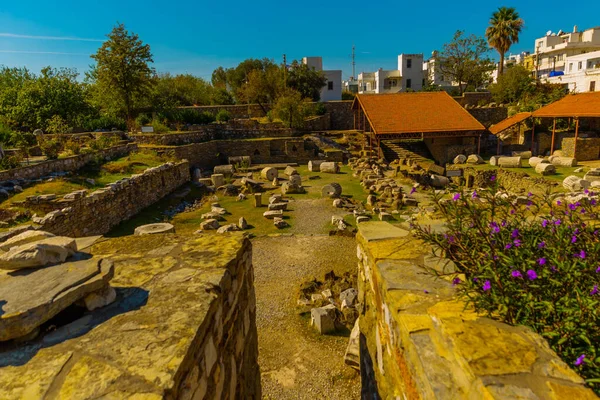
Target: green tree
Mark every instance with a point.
(464, 60)
(513, 85)
(122, 73)
(219, 78)
(237, 77)
(171, 91)
(505, 27)
(291, 108)
(306, 80)
(221, 96)
(262, 87)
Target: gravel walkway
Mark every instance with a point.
(295, 361)
(313, 216)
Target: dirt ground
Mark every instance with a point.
(295, 361)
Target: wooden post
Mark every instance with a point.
(576, 136)
(553, 132)
(532, 134)
(354, 115)
(498, 146)
(479, 145)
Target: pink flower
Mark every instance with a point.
(486, 286)
(532, 275)
(413, 190)
(579, 360)
(516, 274)
(456, 197)
(594, 290)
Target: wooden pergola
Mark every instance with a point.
(501, 128)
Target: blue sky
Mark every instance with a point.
(188, 36)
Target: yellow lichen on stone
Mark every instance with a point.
(452, 309)
(562, 392)
(396, 249)
(87, 378)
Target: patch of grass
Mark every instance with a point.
(58, 187)
(350, 186)
(561, 172)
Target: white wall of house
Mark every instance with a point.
(332, 91)
(582, 73)
(411, 70)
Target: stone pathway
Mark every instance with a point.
(296, 362)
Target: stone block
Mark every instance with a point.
(545, 169)
(534, 161)
(278, 206)
(564, 161)
(257, 199)
(289, 171)
(575, 183)
(269, 173)
(522, 154)
(225, 170)
(509, 162)
(272, 214)
(329, 167)
(475, 159)
(322, 321)
(218, 180)
(314, 165)
(460, 159)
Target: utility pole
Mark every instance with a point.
(284, 72)
(353, 61)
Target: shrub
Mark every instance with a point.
(188, 116)
(346, 95)
(159, 127)
(142, 120)
(72, 147)
(57, 124)
(51, 148)
(223, 116)
(105, 123)
(536, 264)
(320, 109)
(10, 162)
(103, 142)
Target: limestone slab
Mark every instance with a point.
(31, 298)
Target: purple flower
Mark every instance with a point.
(413, 190)
(425, 291)
(517, 242)
(495, 227)
(541, 261)
(529, 203)
(450, 239)
(593, 202)
(594, 290)
(586, 191)
(515, 234)
(529, 194)
(541, 245)
(558, 202)
(573, 239)
(512, 212)
(557, 222)
(493, 178)
(486, 286)
(503, 224)
(475, 280)
(598, 270)
(531, 274)
(516, 274)
(582, 211)
(544, 223)
(456, 196)
(508, 246)
(581, 254)
(553, 268)
(474, 195)
(572, 207)
(579, 360)
(456, 281)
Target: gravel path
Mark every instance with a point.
(295, 361)
(313, 216)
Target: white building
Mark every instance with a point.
(432, 73)
(332, 91)
(351, 85)
(408, 76)
(552, 50)
(581, 74)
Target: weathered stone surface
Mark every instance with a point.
(4, 236)
(332, 190)
(494, 160)
(338, 203)
(100, 298)
(315, 165)
(295, 180)
(24, 238)
(269, 173)
(272, 214)
(575, 183)
(38, 254)
(32, 298)
(329, 167)
(460, 159)
(152, 229)
(522, 154)
(534, 161)
(278, 206)
(226, 170)
(322, 321)
(592, 175)
(384, 216)
(509, 162)
(545, 169)
(243, 224)
(218, 180)
(362, 218)
(352, 356)
(257, 199)
(289, 171)
(279, 223)
(439, 181)
(475, 159)
(563, 161)
(289, 188)
(228, 228)
(349, 296)
(209, 224)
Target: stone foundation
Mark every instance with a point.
(419, 342)
(587, 148)
(98, 212)
(183, 326)
(65, 164)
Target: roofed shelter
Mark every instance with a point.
(576, 106)
(505, 129)
(425, 116)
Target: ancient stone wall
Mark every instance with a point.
(587, 148)
(342, 117)
(183, 326)
(81, 214)
(473, 98)
(417, 341)
(444, 150)
(319, 123)
(65, 164)
(513, 181)
(489, 116)
(235, 111)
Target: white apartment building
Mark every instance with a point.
(551, 51)
(408, 76)
(581, 74)
(431, 72)
(332, 91)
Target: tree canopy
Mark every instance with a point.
(503, 32)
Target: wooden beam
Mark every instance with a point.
(498, 146)
(553, 133)
(576, 137)
(532, 133)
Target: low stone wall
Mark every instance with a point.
(319, 123)
(489, 116)
(183, 326)
(587, 148)
(473, 98)
(444, 150)
(81, 214)
(210, 132)
(235, 111)
(342, 117)
(65, 164)
(513, 181)
(261, 151)
(417, 341)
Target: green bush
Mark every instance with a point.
(320, 109)
(10, 162)
(72, 147)
(103, 142)
(159, 127)
(536, 264)
(346, 95)
(142, 119)
(51, 148)
(103, 123)
(223, 116)
(58, 125)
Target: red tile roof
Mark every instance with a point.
(509, 122)
(573, 105)
(415, 112)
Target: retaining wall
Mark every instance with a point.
(489, 116)
(210, 132)
(81, 214)
(473, 98)
(587, 148)
(417, 341)
(65, 164)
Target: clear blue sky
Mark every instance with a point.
(196, 36)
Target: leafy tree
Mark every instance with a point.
(464, 60)
(122, 73)
(237, 77)
(57, 124)
(306, 80)
(429, 86)
(346, 95)
(221, 96)
(504, 29)
(291, 109)
(262, 87)
(511, 86)
(219, 78)
(180, 90)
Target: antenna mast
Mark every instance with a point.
(353, 62)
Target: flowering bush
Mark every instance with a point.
(530, 261)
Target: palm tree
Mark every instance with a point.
(504, 29)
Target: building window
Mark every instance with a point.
(560, 57)
(393, 83)
(570, 67)
(408, 62)
(423, 83)
(579, 66)
(592, 86)
(330, 85)
(408, 84)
